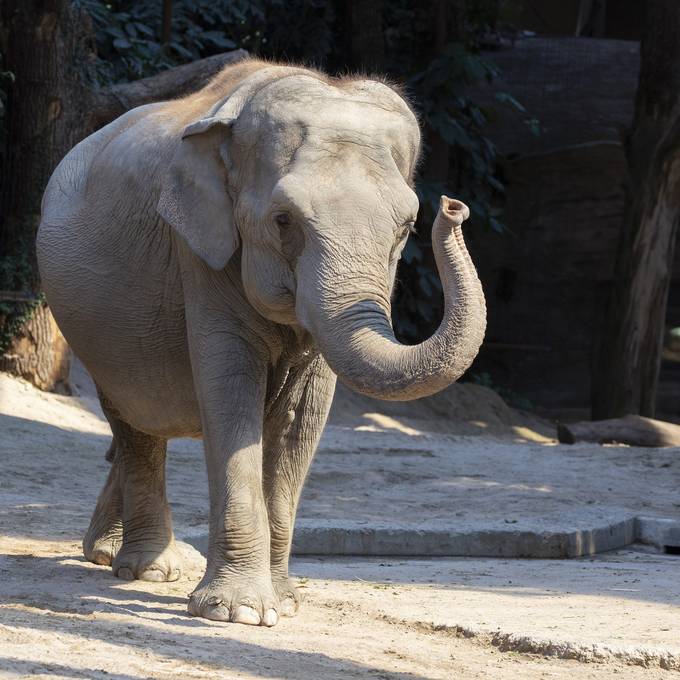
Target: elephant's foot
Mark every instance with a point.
(289, 595)
(101, 544)
(238, 599)
(148, 564)
(104, 536)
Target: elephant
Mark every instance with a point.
(215, 261)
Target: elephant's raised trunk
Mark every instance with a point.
(359, 344)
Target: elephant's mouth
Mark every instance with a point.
(269, 287)
(278, 307)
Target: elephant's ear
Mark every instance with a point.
(194, 197)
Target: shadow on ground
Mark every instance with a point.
(88, 593)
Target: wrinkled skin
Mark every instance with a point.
(214, 261)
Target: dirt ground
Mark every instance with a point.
(614, 615)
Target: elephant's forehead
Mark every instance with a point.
(306, 119)
(324, 110)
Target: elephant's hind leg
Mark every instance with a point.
(105, 534)
(134, 497)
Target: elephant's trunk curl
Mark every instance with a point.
(358, 341)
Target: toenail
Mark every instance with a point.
(155, 575)
(101, 557)
(287, 606)
(219, 612)
(270, 618)
(247, 615)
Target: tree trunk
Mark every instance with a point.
(48, 51)
(626, 370)
(591, 20)
(39, 352)
(166, 22)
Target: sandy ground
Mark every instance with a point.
(615, 615)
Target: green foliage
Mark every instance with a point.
(460, 123)
(128, 35)
(14, 272)
(13, 316)
(128, 32)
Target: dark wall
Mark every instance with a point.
(547, 279)
(624, 19)
(620, 19)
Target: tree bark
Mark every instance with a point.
(48, 51)
(166, 23)
(626, 370)
(39, 352)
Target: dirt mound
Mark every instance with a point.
(461, 409)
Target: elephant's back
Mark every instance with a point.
(110, 271)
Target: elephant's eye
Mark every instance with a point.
(283, 220)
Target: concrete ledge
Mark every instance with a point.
(571, 534)
(659, 532)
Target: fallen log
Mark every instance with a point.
(632, 430)
(114, 101)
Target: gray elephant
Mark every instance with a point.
(215, 261)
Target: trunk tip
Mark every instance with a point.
(453, 209)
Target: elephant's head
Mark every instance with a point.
(313, 179)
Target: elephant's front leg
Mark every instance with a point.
(293, 427)
(230, 382)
